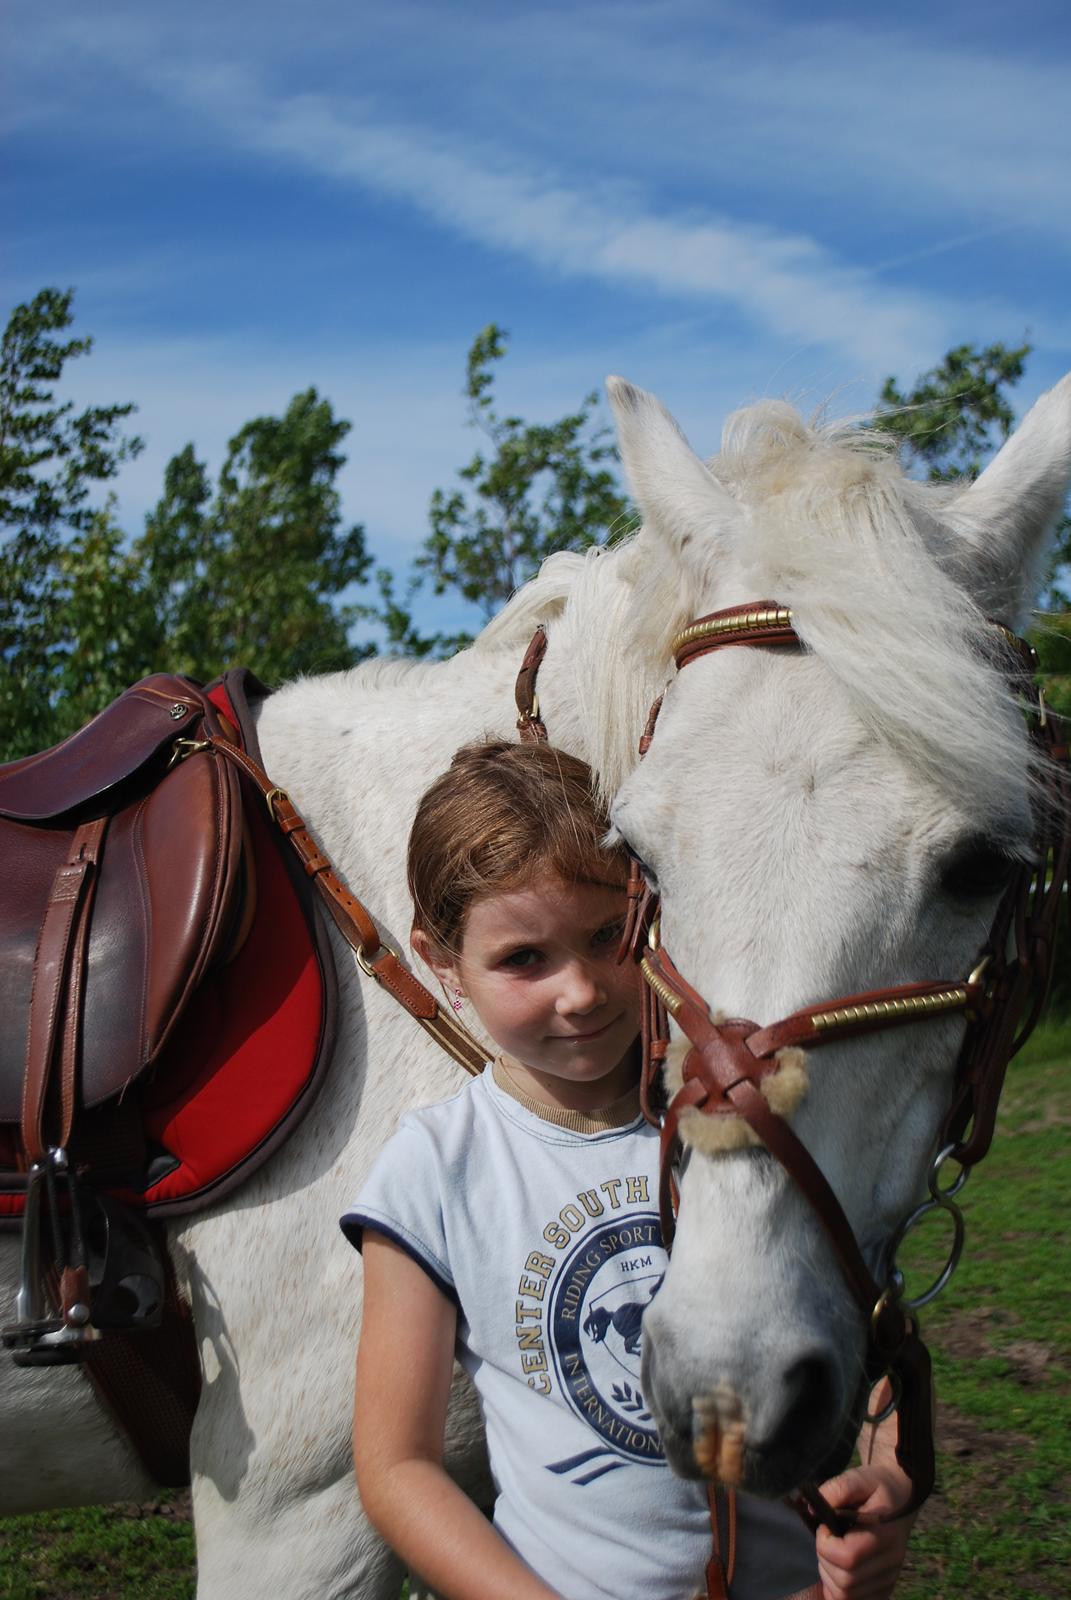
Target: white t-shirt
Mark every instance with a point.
(543, 1228)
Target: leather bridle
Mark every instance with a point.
(724, 1070)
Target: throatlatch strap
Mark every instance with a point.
(530, 724)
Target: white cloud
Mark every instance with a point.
(619, 108)
(615, 142)
(788, 284)
(956, 114)
(927, 119)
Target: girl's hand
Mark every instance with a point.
(866, 1562)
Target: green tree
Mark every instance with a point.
(955, 414)
(952, 420)
(541, 488)
(107, 630)
(51, 459)
(253, 571)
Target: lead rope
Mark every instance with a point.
(533, 730)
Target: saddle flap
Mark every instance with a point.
(166, 886)
(87, 769)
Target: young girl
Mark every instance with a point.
(516, 1226)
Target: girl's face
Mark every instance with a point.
(538, 965)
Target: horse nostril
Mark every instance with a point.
(810, 1391)
(674, 1415)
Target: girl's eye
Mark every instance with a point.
(520, 960)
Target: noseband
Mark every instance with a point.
(728, 1060)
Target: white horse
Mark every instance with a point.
(812, 819)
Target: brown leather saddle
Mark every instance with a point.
(122, 886)
(130, 876)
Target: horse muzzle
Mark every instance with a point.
(776, 1412)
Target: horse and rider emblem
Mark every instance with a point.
(625, 1318)
(596, 1330)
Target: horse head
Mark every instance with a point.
(820, 822)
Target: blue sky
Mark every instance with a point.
(720, 201)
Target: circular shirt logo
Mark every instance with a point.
(600, 1294)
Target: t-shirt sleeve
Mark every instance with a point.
(402, 1198)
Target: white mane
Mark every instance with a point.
(869, 567)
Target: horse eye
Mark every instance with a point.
(978, 867)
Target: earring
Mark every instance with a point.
(458, 1001)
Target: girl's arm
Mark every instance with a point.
(865, 1563)
(404, 1366)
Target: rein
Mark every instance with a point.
(724, 1071)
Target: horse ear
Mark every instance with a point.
(1007, 515)
(676, 493)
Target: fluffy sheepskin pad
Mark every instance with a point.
(783, 1089)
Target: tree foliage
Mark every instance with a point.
(52, 457)
(540, 488)
(955, 414)
(250, 570)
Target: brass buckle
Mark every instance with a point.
(186, 747)
(365, 962)
(270, 799)
(979, 972)
(889, 1298)
(531, 713)
(976, 981)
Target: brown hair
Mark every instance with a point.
(498, 817)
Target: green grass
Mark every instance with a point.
(97, 1553)
(998, 1525)
(1001, 1344)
